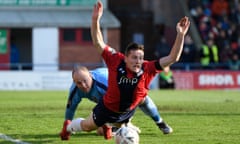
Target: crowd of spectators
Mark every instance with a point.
(218, 22)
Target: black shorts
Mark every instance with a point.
(102, 115)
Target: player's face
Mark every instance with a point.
(83, 80)
(134, 60)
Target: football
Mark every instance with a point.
(126, 135)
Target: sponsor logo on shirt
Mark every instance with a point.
(125, 80)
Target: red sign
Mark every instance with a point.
(4, 49)
(207, 79)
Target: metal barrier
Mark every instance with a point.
(44, 66)
(69, 66)
(198, 66)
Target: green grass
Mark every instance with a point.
(197, 117)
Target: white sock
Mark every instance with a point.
(75, 126)
(160, 120)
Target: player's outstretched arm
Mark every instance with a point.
(175, 53)
(96, 33)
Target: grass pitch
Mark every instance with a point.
(197, 117)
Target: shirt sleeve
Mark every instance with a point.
(152, 67)
(111, 57)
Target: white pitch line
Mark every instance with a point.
(8, 138)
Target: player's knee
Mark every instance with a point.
(86, 129)
(100, 131)
(143, 102)
(87, 126)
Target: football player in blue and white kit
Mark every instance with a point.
(93, 85)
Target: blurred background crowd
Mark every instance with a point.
(217, 22)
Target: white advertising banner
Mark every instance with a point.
(35, 80)
(207, 79)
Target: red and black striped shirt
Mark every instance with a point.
(125, 88)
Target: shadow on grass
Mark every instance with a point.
(46, 138)
(202, 114)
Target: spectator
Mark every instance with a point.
(189, 50)
(235, 13)
(14, 54)
(220, 8)
(166, 80)
(222, 43)
(162, 48)
(209, 54)
(234, 62)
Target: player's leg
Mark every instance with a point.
(88, 125)
(150, 109)
(97, 119)
(81, 124)
(125, 120)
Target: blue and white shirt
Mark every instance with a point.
(99, 88)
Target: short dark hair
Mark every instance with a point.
(133, 46)
(77, 68)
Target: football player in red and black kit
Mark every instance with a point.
(129, 77)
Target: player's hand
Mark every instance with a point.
(97, 11)
(183, 25)
(64, 134)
